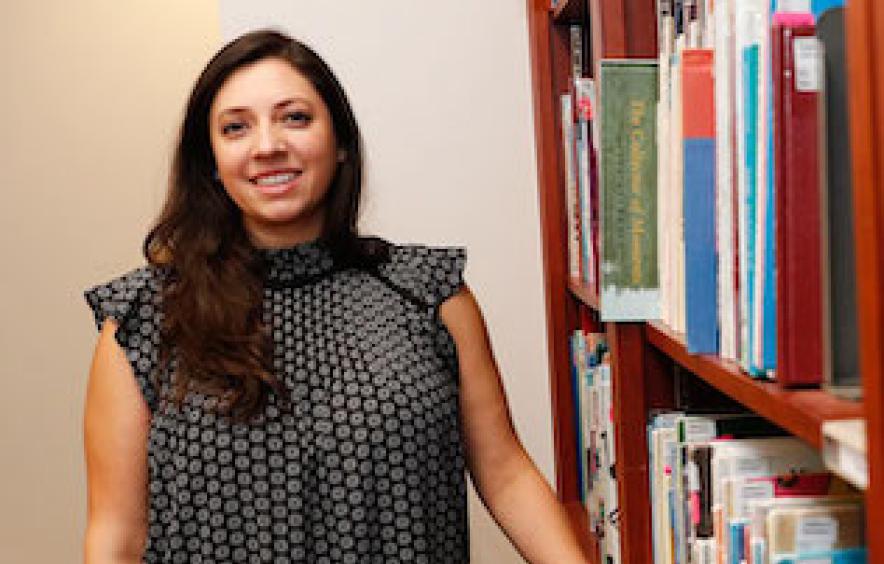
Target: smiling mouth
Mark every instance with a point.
(276, 179)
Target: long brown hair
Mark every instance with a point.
(212, 298)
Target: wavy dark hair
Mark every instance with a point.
(212, 298)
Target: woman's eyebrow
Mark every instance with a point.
(276, 106)
(288, 101)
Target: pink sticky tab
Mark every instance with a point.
(695, 508)
(792, 19)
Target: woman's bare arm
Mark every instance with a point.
(509, 483)
(116, 424)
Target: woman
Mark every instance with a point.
(272, 387)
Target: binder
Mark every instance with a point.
(796, 85)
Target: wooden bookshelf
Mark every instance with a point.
(865, 73)
(801, 412)
(569, 11)
(580, 522)
(584, 293)
(643, 354)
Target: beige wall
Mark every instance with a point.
(91, 94)
(89, 98)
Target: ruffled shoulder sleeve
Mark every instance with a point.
(133, 301)
(430, 274)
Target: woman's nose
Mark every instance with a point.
(268, 142)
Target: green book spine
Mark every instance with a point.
(630, 281)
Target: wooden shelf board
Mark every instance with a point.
(801, 412)
(580, 523)
(583, 293)
(568, 11)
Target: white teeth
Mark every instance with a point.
(276, 179)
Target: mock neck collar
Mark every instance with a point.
(296, 263)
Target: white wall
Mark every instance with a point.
(442, 92)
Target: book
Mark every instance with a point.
(840, 328)
(797, 496)
(796, 85)
(661, 461)
(844, 450)
(576, 49)
(701, 283)
(582, 409)
(630, 289)
(746, 48)
(739, 459)
(837, 556)
(666, 30)
(792, 530)
(586, 182)
(675, 220)
(571, 190)
(725, 148)
(766, 353)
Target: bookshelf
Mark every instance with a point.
(644, 354)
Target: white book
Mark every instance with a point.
(844, 450)
(664, 229)
(583, 88)
(567, 109)
(676, 184)
(742, 37)
(761, 26)
(724, 151)
(663, 442)
(758, 511)
(792, 530)
(753, 458)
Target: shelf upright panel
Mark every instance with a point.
(627, 29)
(865, 68)
(640, 22)
(550, 68)
(629, 398)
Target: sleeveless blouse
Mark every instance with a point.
(367, 463)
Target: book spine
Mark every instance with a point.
(701, 283)
(664, 223)
(768, 287)
(630, 289)
(584, 170)
(841, 361)
(724, 187)
(568, 144)
(796, 92)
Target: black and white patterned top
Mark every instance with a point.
(367, 466)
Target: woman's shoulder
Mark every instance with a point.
(430, 272)
(116, 298)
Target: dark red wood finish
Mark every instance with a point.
(642, 354)
(584, 293)
(801, 412)
(549, 68)
(629, 398)
(865, 68)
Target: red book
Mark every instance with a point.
(796, 84)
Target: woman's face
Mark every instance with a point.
(275, 149)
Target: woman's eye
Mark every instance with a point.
(232, 128)
(300, 118)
